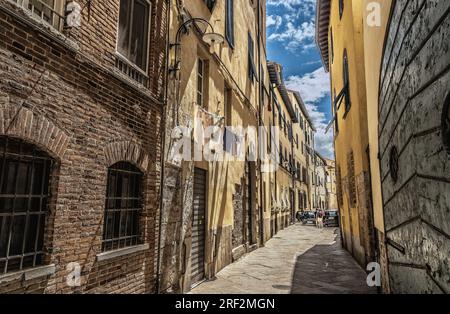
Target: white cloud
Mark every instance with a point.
(296, 28)
(300, 33)
(274, 20)
(290, 4)
(314, 87)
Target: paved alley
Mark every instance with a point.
(299, 259)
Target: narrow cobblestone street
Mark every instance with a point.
(299, 259)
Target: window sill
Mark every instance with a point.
(29, 274)
(121, 252)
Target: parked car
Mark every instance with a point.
(331, 218)
(309, 218)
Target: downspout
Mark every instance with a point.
(260, 110)
(163, 146)
(293, 176)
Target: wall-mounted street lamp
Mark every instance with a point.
(211, 38)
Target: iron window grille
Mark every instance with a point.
(24, 199)
(123, 207)
(48, 11)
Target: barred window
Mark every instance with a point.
(49, 11)
(123, 207)
(24, 198)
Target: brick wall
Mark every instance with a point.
(87, 117)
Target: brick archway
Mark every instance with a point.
(126, 151)
(33, 127)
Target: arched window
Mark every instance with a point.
(123, 207)
(24, 199)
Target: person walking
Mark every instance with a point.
(319, 218)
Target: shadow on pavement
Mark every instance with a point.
(329, 269)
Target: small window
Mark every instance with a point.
(341, 8)
(133, 32)
(229, 22)
(446, 125)
(123, 207)
(201, 82)
(24, 199)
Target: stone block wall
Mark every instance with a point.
(415, 167)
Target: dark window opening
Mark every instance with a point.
(134, 32)
(24, 199)
(251, 58)
(229, 22)
(123, 207)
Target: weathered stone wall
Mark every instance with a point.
(238, 217)
(87, 117)
(415, 82)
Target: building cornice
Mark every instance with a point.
(323, 10)
(299, 99)
(276, 78)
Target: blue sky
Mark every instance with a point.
(291, 42)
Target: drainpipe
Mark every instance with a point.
(163, 146)
(293, 176)
(261, 122)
